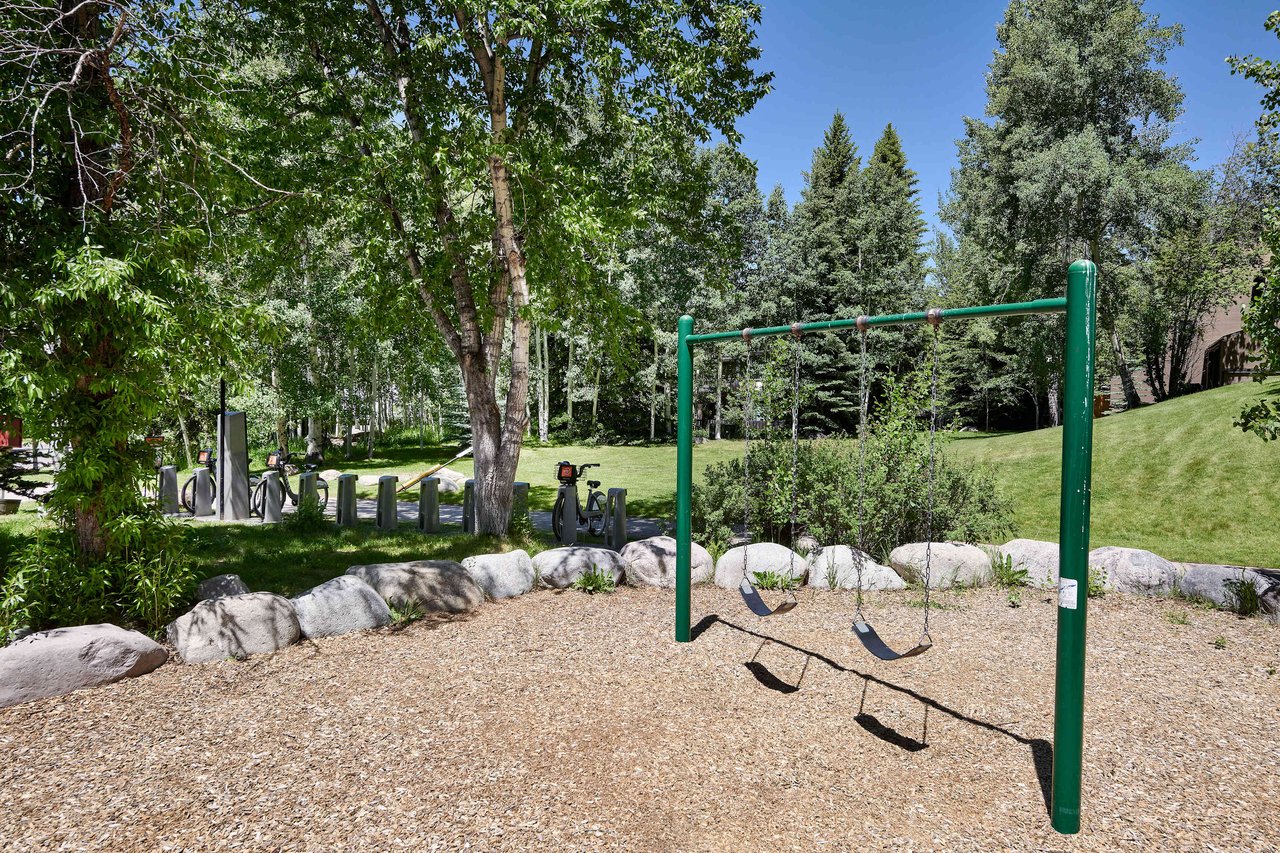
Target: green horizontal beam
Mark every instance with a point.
(1057, 305)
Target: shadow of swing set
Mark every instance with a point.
(1080, 306)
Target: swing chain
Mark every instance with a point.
(863, 394)
(933, 432)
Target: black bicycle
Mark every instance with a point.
(207, 459)
(280, 461)
(594, 517)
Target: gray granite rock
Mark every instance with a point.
(838, 563)
(220, 586)
(758, 558)
(1039, 559)
(950, 564)
(1218, 584)
(436, 586)
(560, 567)
(652, 562)
(235, 627)
(51, 663)
(501, 575)
(340, 606)
(1134, 571)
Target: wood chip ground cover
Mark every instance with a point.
(561, 721)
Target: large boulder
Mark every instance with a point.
(1038, 559)
(560, 567)
(235, 627)
(340, 606)
(220, 586)
(756, 559)
(652, 562)
(501, 575)
(1218, 584)
(1134, 571)
(839, 563)
(451, 480)
(50, 663)
(436, 586)
(950, 564)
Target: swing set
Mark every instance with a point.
(1079, 304)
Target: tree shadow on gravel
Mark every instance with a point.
(1041, 749)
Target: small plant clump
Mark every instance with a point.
(309, 518)
(1014, 597)
(1177, 617)
(1004, 574)
(1097, 582)
(1220, 642)
(1242, 597)
(406, 615)
(770, 580)
(595, 579)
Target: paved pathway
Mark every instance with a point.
(451, 514)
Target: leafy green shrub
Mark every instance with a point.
(49, 584)
(595, 579)
(309, 517)
(967, 505)
(1003, 572)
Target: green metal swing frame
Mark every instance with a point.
(1080, 306)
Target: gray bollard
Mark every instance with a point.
(347, 516)
(569, 515)
(520, 502)
(169, 489)
(469, 507)
(272, 498)
(387, 517)
(617, 509)
(429, 506)
(204, 492)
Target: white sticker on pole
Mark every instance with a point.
(1067, 589)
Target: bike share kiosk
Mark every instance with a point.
(233, 460)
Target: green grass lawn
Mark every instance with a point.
(1176, 478)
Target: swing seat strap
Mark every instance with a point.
(756, 604)
(878, 647)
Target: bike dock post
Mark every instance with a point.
(387, 517)
(272, 498)
(169, 489)
(307, 486)
(429, 506)
(203, 504)
(520, 501)
(569, 515)
(617, 515)
(347, 516)
(469, 507)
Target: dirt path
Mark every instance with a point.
(569, 722)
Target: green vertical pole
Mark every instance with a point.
(1073, 546)
(684, 477)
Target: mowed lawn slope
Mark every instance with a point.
(1176, 478)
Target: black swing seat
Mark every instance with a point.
(756, 604)
(872, 642)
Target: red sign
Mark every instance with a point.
(10, 431)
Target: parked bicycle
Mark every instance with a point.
(595, 517)
(280, 461)
(207, 459)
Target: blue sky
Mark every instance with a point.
(921, 64)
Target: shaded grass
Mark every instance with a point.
(272, 558)
(1177, 478)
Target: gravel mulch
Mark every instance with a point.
(561, 721)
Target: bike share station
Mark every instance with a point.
(604, 515)
(1080, 307)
